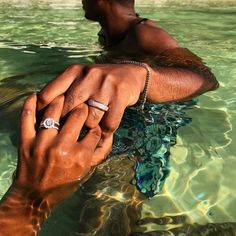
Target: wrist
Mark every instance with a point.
(19, 197)
(142, 69)
(22, 210)
(155, 86)
(145, 85)
(38, 193)
(143, 78)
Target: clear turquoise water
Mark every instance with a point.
(38, 42)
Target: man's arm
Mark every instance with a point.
(180, 73)
(176, 75)
(177, 84)
(119, 86)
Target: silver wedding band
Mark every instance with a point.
(49, 123)
(97, 104)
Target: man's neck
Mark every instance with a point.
(117, 23)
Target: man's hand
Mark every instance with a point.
(116, 86)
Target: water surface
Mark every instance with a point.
(38, 42)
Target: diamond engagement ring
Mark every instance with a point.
(96, 104)
(49, 123)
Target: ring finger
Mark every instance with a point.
(96, 110)
(51, 114)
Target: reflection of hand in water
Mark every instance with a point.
(50, 164)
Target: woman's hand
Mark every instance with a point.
(115, 85)
(51, 162)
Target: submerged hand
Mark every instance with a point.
(115, 85)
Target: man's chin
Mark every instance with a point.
(85, 16)
(88, 17)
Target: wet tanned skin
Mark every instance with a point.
(38, 187)
(50, 165)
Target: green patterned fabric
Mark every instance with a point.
(147, 137)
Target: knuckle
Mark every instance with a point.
(107, 84)
(110, 78)
(73, 99)
(24, 153)
(91, 124)
(74, 67)
(57, 151)
(53, 152)
(43, 98)
(80, 96)
(83, 155)
(96, 132)
(38, 152)
(79, 165)
(83, 107)
(94, 115)
(70, 99)
(59, 99)
(83, 151)
(122, 87)
(81, 110)
(110, 127)
(82, 165)
(26, 112)
(94, 71)
(78, 114)
(52, 107)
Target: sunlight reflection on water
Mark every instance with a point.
(200, 188)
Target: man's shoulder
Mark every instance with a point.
(150, 37)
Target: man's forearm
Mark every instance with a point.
(22, 213)
(176, 84)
